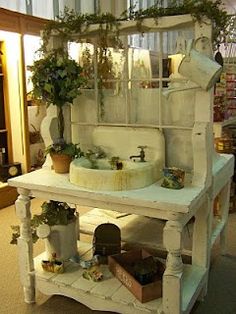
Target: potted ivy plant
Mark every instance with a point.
(56, 80)
(57, 225)
(62, 153)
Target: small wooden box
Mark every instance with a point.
(119, 265)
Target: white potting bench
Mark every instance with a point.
(182, 284)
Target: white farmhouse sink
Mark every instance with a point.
(134, 175)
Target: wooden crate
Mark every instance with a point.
(120, 264)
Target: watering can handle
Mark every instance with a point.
(192, 45)
(205, 40)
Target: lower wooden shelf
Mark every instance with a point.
(110, 294)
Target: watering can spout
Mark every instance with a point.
(179, 85)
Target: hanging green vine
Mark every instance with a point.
(199, 9)
(70, 23)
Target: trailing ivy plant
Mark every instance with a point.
(53, 213)
(70, 23)
(199, 9)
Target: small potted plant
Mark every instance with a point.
(56, 80)
(57, 225)
(62, 153)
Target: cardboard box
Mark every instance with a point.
(121, 264)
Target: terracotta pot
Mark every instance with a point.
(61, 162)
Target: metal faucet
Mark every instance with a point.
(141, 155)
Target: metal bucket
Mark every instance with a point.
(199, 68)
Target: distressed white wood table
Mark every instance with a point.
(182, 284)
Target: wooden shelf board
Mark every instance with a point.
(110, 294)
(135, 229)
(194, 277)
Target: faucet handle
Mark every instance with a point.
(142, 152)
(142, 147)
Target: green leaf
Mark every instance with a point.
(48, 87)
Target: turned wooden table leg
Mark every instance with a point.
(172, 279)
(25, 246)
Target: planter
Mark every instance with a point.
(62, 241)
(61, 162)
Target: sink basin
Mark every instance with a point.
(134, 175)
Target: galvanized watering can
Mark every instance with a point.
(198, 67)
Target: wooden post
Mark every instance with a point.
(201, 238)
(25, 246)
(172, 279)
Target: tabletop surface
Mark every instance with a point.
(153, 196)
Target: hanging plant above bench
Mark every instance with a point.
(71, 23)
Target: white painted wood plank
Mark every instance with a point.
(72, 272)
(91, 301)
(123, 295)
(150, 306)
(109, 288)
(84, 248)
(84, 284)
(47, 184)
(153, 200)
(106, 288)
(193, 280)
